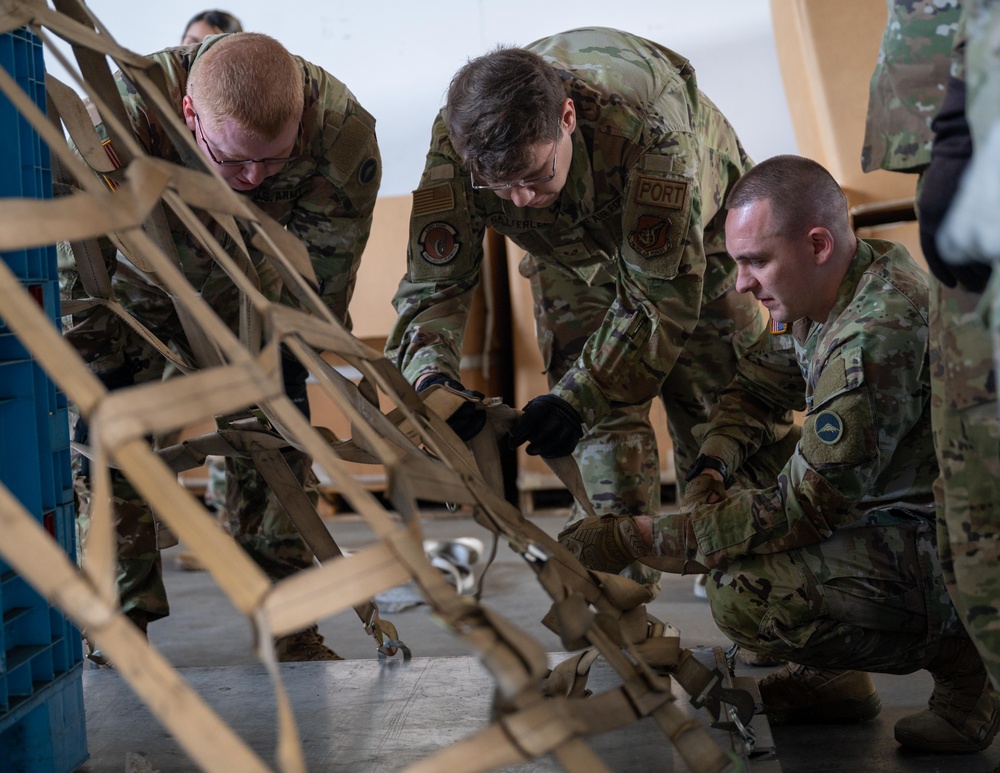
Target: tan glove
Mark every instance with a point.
(702, 490)
(606, 543)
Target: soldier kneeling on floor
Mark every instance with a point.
(834, 567)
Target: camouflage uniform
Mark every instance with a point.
(834, 565)
(913, 68)
(974, 521)
(326, 198)
(633, 290)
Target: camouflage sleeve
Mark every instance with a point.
(97, 334)
(871, 393)
(660, 285)
(767, 385)
(443, 260)
(334, 215)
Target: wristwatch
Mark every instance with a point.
(710, 462)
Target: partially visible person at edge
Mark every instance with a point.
(295, 141)
(834, 566)
(206, 23)
(958, 201)
(594, 151)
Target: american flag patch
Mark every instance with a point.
(778, 328)
(427, 201)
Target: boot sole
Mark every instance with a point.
(847, 712)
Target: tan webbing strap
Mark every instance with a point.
(35, 556)
(418, 443)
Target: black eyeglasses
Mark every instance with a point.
(524, 182)
(244, 161)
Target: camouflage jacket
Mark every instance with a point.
(866, 450)
(978, 64)
(907, 87)
(326, 197)
(653, 160)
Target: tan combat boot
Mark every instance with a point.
(303, 646)
(801, 695)
(964, 709)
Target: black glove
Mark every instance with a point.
(552, 426)
(467, 421)
(950, 156)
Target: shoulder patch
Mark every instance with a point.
(778, 328)
(651, 236)
(427, 201)
(439, 243)
(367, 170)
(660, 192)
(829, 427)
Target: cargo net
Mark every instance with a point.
(538, 711)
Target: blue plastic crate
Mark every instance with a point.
(42, 726)
(48, 732)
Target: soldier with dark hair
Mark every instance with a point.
(297, 143)
(214, 22)
(833, 566)
(595, 151)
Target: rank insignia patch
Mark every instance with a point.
(438, 244)
(829, 427)
(649, 238)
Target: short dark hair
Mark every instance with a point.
(802, 193)
(223, 21)
(499, 105)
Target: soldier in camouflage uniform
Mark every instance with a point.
(918, 80)
(608, 166)
(318, 175)
(969, 239)
(835, 565)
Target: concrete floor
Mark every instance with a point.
(204, 632)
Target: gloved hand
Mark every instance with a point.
(606, 543)
(970, 233)
(552, 426)
(949, 158)
(702, 490)
(467, 421)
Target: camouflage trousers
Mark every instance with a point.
(872, 597)
(618, 457)
(967, 439)
(252, 516)
(112, 348)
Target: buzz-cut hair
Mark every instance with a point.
(802, 193)
(251, 79)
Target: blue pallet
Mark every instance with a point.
(42, 727)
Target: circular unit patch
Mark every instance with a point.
(367, 171)
(438, 244)
(829, 427)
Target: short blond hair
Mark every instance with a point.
(250, 78)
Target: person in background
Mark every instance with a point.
(834, 566)
(206, 23)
